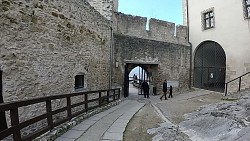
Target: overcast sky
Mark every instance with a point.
(167, 10)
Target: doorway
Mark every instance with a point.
(143, 72)
(210, 67)
(136, 77)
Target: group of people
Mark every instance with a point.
(145, 88)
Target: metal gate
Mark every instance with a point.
(210, 67)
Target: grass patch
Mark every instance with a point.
(229, 99)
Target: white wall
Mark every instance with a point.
(231, 31)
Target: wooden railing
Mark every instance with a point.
(105, 96)
(239, 85)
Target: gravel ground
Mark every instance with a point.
(145, 119)
(174, 109)
(148, 125)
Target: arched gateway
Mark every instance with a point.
(210, 67)
(149, 69)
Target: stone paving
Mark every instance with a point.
(110, 124)
(105, 126)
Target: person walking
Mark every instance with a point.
(145, 88)
(164, 89)
(170, 92)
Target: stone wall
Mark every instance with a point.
(173, 60)
(45, 44)
(105, 7)
(184, 12)
(158, 30)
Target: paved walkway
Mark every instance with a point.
(108, 125)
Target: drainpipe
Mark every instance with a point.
(111, 57)
(191, 48)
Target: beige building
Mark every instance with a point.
(219, 32)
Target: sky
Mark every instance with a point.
(167, 10)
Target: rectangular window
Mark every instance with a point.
(79, 81)
(208, 19)
(247, 8)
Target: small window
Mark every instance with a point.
(247, 8)
(79, 81)
(208, 20)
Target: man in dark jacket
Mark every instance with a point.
(145, 88)
(164, 89)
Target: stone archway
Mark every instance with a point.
(210, 67)
(149, 68)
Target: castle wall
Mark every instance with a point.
(158, 30)
(45, 44)
(171, 61)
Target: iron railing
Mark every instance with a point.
(240, 82)
(105, 96)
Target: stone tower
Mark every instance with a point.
(184, 12)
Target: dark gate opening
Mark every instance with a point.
(210, 67)
(143, 75)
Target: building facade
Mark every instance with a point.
(219, 32)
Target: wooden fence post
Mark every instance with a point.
(114, 95)
(86, 100)
(49, 114)
(69, 108)
(100, 101)
(15, 121)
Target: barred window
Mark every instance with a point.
(208, 19)
(247, 8)
(79, 81)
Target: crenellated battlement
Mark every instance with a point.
(158, 30)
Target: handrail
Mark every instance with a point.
(234, 80)
(237, 78)
(15, 128)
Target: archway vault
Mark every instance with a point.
(210, 66)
